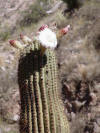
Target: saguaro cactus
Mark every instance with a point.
(41, 107)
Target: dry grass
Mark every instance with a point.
(60, 20)
(79, 57)
(81, 45)
(35, 14)
(4, 35)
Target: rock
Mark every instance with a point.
(7, 61)
(7, 129)
(98, 121)
(3, 68)
(77, 104)
(96, 128)
(93, 98)
(89, 116)
(86, 132)
(54, 8)
(0, 130)
(73, 115)
(16, 117)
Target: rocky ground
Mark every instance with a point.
(78, 56)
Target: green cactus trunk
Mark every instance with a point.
(41, 108)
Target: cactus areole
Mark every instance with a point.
(41, 108)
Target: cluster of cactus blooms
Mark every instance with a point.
(41, 106)
(46, 37)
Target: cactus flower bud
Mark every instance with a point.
(47, 38)
(16, 44)
(43, 27)
(63, 31)
(25, 39)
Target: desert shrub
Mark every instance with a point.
(4, 35)
(60, 20)
(97, 42)
(73, 4)
(33, 15)
(94, 37)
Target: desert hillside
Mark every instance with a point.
(78, 55)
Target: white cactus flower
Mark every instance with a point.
(47, 38)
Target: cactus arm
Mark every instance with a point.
(50, 94)
(55, 96)
(63, 118)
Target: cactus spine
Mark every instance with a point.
(41, 107)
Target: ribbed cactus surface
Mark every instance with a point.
(41, 108)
